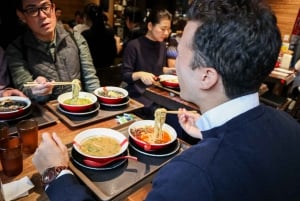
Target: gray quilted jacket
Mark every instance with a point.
(28, 58)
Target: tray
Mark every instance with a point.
(172, 90)
(37, 112)
(118, 183)
(103, 113)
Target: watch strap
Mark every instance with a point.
(51, 173)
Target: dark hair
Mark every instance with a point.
(155, 16)
(134, 14)
(58, 8)
(95, 13)
(19, 4)
(239, 38)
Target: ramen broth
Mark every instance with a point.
(78, 101)
(9, 105)
(100, 146)
(146, 134)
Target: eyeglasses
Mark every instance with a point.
(35, 11)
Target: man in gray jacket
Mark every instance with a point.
(48, 53)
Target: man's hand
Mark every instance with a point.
(51, 152)
(187, 120)
(43, 88)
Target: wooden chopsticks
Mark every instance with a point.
(176, 111)
(32, 84)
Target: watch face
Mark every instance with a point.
(49, 175)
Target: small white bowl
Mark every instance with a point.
(110, 100)
(100, 132)
(76, 108)
(151, 147)
(15, 113)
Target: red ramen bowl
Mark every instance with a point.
(110, 94)
(13, 107)
(98, 144)
(169, 81)
(77, 107)
(136, 130)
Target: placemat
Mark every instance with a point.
(103, 113)
(118, 183)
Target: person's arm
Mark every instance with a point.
(11, 92)
(4, 76)
(128, 66)
(130, 72)
(18, 68)
(181, 180)
(90, 81)
(52, 153)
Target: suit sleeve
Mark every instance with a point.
(67, 187)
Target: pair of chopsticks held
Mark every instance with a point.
(32, 84)
(177, 112)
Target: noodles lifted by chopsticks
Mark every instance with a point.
(159, 119)
(76, 87)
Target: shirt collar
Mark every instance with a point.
(226, 111)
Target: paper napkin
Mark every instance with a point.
(16, 189)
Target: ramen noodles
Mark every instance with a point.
(159, 120)
(146, 133)
(78, 101)
(75, 89)
(102, 146)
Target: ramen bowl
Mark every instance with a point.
(13, 107)
(111, 95)
(79, 107)
(99, 144)
(135, 131)
(169, 81)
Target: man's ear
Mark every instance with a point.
(150, 26)
(21, 16)
(208, 77)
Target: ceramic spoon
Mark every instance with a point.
(93, 163)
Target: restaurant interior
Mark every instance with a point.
(130, 179)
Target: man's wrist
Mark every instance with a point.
(50, 174)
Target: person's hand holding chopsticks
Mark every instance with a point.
(43, 86)
(187, 120)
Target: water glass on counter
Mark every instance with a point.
(3, 130)
(11, 155)
(28, 132)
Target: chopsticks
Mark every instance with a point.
(176, 111)
(32, 84)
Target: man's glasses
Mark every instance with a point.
(35, 11)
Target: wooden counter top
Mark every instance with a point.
(67, 135)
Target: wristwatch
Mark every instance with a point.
(51, 173)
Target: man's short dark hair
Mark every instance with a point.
(239, 38)
(19, 4)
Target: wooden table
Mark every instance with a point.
(67, 135)
(168, 98)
